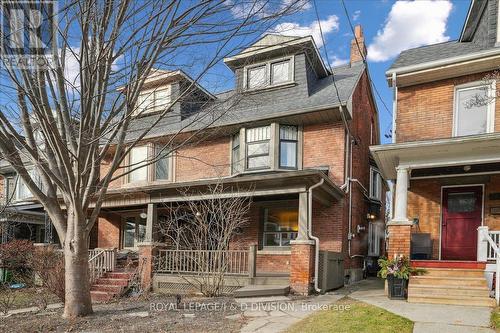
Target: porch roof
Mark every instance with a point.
(475, 149)
(273, 183)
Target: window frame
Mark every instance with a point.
(269, 151)
(286, 140)
(490, 117)
(154, 165)
(265, 215)
(236, 165)
(152, 106)
(148, 172)
(269, 66)
(374, 170)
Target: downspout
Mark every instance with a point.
(310, 235)
(394, 106)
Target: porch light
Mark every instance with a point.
(143, 215)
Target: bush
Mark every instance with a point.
(15, 257)
(48, 265)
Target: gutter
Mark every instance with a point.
(311, 236)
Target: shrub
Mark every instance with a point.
(48, 265)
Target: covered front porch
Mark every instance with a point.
(274, 247)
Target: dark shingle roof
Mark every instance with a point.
(435, 52)
(252, 107)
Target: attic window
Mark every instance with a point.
(153, 100)
(271, 73)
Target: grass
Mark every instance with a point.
(495, 319)
(349, 315)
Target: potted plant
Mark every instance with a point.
(397, 271)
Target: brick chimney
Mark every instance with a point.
(360, 38)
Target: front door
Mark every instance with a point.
(462, 215)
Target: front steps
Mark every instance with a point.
(109, 286)
(262, 291)
(457, 286)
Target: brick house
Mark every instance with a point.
(304, 152)
(445, 158)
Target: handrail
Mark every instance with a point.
(100, 262)
(486, 236)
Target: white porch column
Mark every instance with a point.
(150, 222)
(401, 200)
(482, 244)
(303, 216)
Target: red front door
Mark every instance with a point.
(462, 215)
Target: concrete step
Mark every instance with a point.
(114, 282)
(262, 290)
(454, 272)
(118, 275)
(449, 281)
(434, 290)
(271, 280)
(100, 296)
(454, 300)
(114, 289)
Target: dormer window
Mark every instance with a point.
(153, 100)
(268, 74)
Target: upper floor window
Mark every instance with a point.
(474, 109)
(270, 73)
(138, 157)
(153, 100)
(22, 190)
(258, 147)
(162, 164)
(235, 154)
(375, 184)
(288, 147)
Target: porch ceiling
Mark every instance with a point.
(276, 183)
(437, 153)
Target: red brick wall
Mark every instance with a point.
(108, 230)
(302, 271)
(399, 241)
(425, 111)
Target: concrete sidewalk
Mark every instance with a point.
(427, 317)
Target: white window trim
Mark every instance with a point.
(148, 169)
(268, 64)
(154, 107)
(151, 168)
(490, 126)
(372, 171)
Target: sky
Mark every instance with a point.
(389, 27)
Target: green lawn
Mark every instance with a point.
(495, 319)
(357, 317)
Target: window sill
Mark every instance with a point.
(269, 88)
(285, 250)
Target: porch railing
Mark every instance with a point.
(485, 235)
(231, 262)
(100, 262)
(495, 237)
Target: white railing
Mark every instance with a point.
(495, 236)
(485, 235)
(235, 262)
(100, 262)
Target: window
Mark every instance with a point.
(375, 184)
(162, 163)
(288, 147)
(10, 187)
(257, 144)
(462, 202)
(269, 74)
(235, 154)
(257, 77)
(138, 163)
(280, 72)
(281, 225)
(474, 110)
(153, 100)
(22, 190)
(134, 231)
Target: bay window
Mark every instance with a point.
(281, 225)
(138, 164)
(474, 109)
(235, 154)
(288, 147)
(257, 145)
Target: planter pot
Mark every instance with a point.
(397, 287)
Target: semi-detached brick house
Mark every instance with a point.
(287, 132)
(445, 159)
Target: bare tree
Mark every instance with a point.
(64, 116)
(205, 230)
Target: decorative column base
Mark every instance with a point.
(146, 257)
(399, 238)
(302, 266)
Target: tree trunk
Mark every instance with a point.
(77, 294)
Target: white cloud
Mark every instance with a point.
(356, 15)
(336, 61)
(329, 25)
(411, 24)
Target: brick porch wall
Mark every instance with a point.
(108, 231)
